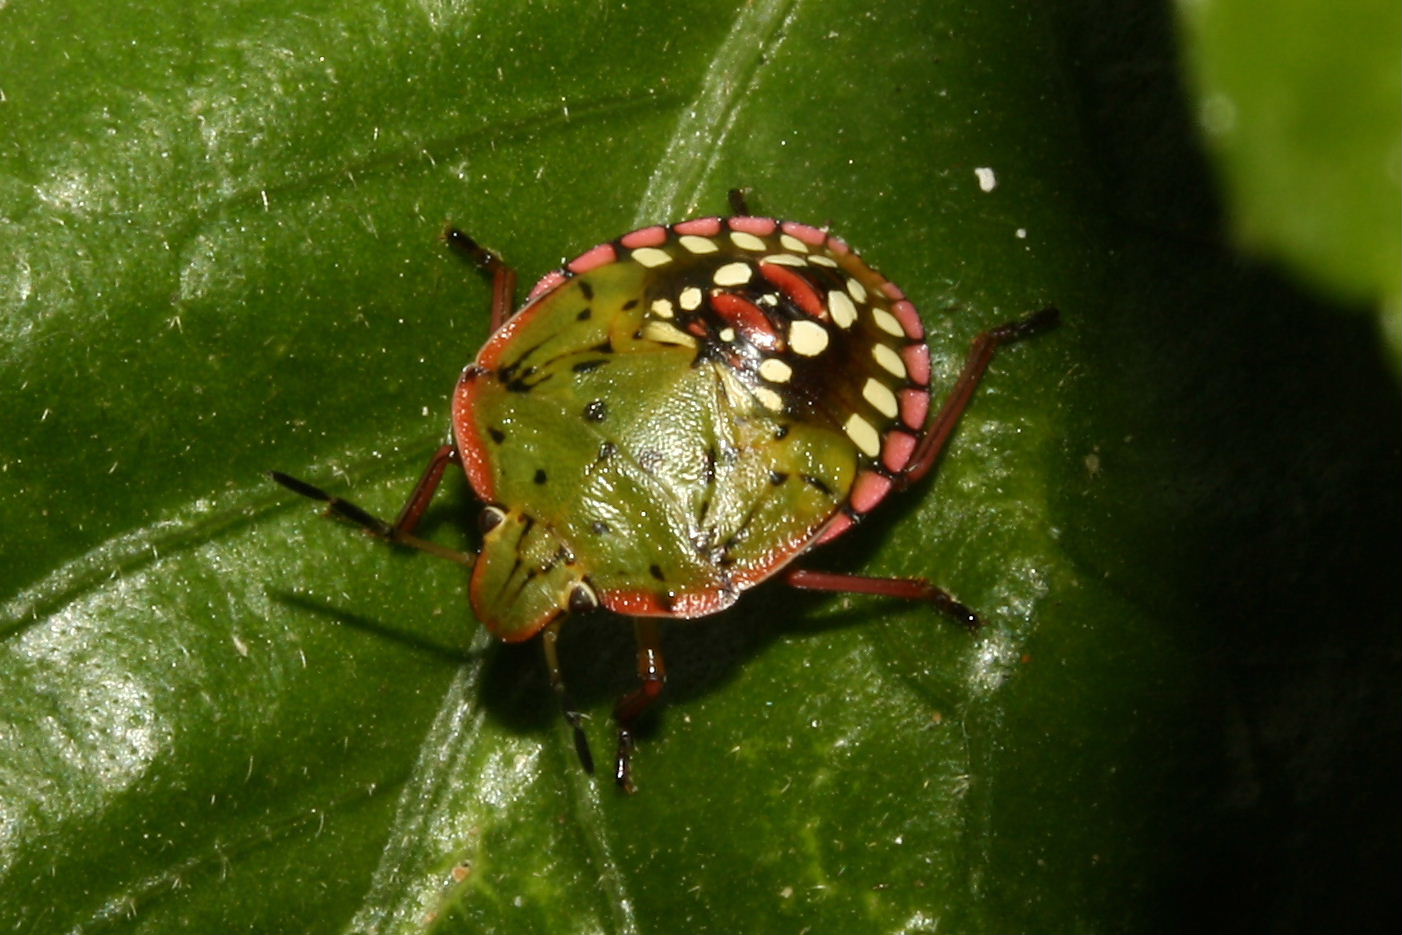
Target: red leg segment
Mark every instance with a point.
(652, 673)
(980, 356)
(401, 532)
(503, 276)
(913, 589)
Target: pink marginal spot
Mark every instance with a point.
(838, 246)
(601, 255)
(892, 290)
(549, 281)
(702, 227)
(839, 524)
(896, 451)
(915, 406)
(760, 227)
(869, 490)
(917, 363)
(805, 232)
(645, 237)
(905, 313)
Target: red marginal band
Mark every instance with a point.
(915, 406)
(836, 527)
(472, 449)
(804, 232)
(701, 227)
(869, 490)
(746, 318)
(917, 363)
(601, 255)
(640, 603)
(551, 280)
(896, 450)
(798, 289)
(905, 313)
(760, 227)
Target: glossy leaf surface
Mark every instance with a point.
(1178, 513)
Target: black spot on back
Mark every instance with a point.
(584, 315)
(817, 484)
(596, 411)
(540, 475)
(497, 434)
(587, 289)
(584, 366)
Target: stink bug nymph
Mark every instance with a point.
(676, 416)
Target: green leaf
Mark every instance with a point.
(1179, 513)
(1303, 112)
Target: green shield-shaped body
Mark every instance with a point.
(677, 414)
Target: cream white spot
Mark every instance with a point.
(785, 259)
(698, 244)
(821, 260)
(727, 335)
(863, 435)
(808, 338)
(887, 322)
(857, 290)
(880, 396)
(690, 299)
(775, 370)
(651, 256)
(733, 274)
(662, 308)
(888, 360)
(666, 333)
(769, 399)
(769, 299)
(746, 241)
(790, 242)
(841, 308)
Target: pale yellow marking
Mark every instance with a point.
(808, 337)
(690, 298)
(727, 334)
(791, 242)
(746, 241)
(859, 291)
(887, 322)
(662, 308)
(770, 399)
(698, 244)
(863, 435)
(769, 299)
(666, 333)
(651, 256)
(785, 259)
(880, 396)
(775, 370)
(821, 260)
(733, 274)
(841, 308)
(889, 360)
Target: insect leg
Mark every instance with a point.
(739, 201)
(549, 638)
(503, 276)
(401, 532)
(652, 672)
(913, 589)
(980, 355)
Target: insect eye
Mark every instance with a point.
(490, 518)
(582, 598)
